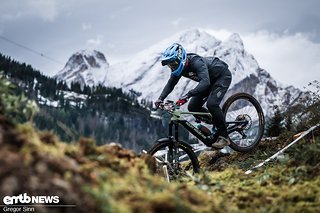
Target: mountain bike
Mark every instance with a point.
(176, 158)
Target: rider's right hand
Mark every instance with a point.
(158, 102)
(184, 99)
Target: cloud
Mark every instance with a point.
(120, 12)
(94, 42)
(292, 59)
(86, 26)
(221, 34)
(176, 22)
(47, 10)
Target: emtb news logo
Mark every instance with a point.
(25, 199)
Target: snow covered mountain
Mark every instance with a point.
(144, 73)
(85, 67)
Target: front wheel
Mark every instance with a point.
(174, 159)
(245, 121)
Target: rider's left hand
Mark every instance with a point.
(184, 99)
(158, 103)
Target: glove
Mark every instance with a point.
(184, 99)
(158, 102)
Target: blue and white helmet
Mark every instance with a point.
(175, 57)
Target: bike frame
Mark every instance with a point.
(239, 124)
(177, 119)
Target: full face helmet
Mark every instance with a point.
(175, 57)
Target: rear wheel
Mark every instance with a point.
(245, 121)
(174, 159)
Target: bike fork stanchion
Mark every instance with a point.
(164, 167)
(165, 172)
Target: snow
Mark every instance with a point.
(86, 67)
(144, 73)
(154, 76)
(72, 97)
(44, 101)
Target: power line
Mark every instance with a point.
(31, 50)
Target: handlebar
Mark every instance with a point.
(169, 106)
(173, 108)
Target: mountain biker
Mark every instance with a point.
(213, 77)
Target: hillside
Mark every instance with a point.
(84, 177)
(111, 179)
(94, 175)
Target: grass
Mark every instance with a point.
(111, 179)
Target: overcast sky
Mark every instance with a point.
(283, 35)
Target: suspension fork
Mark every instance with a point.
(176, 131)
(173, 152)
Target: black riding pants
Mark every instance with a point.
(213, 97)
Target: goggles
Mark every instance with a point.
(173, 65)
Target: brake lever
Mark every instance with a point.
(161, 106)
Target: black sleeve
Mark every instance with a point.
(203, 73)
(173, 80)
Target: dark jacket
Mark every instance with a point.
(205, 70)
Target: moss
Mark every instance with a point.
(111, 179)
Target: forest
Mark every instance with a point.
(91, 176)
(106, 114)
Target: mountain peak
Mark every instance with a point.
(235, 37)
(144, 73)
(195, 36)
(92, 58)
(235, 41)
(85, 67)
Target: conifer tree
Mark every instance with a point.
(275, 127)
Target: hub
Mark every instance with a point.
(247, 121)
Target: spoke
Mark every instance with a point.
(178, 164)
(161, 153)
(247, 108)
